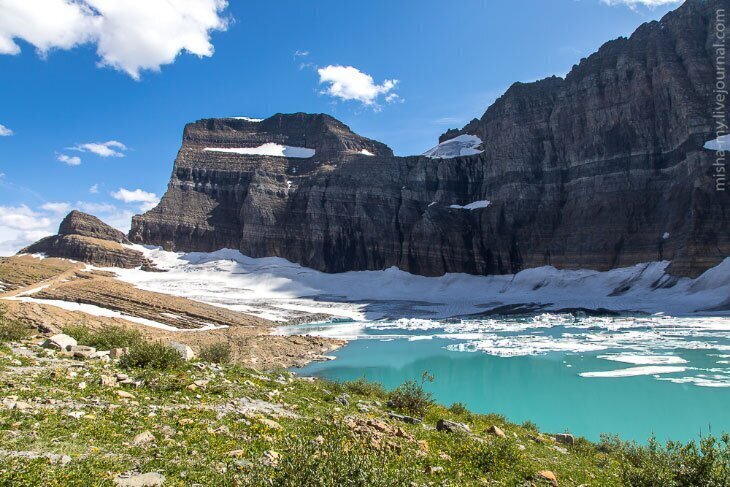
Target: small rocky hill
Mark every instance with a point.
(85, 238)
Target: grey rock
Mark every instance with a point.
(586, 171)
(59, 342)
(404, 418)
(565, 438)
(82, 351)
(452, 426)
(343, 399)
(185, 351)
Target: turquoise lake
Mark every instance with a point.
(524, 381)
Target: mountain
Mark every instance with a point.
(87, 239)
(602, 169)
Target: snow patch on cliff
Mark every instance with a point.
(721, 143)
(463, 145)
(268, 149)
(472, 206)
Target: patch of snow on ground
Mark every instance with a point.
(665, 236)
(721, 143)
(249, 119)
(463, 145)
(472, 206)
(366, 152)
(267, 149)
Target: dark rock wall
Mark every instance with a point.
(589, 171)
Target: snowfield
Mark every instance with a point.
(268, 149)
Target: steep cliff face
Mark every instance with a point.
(602, 169)
(87, 239)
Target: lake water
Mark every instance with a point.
(669, 377)
(638, 374)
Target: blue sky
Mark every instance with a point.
(68, 84)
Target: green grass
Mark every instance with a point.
(196, 429)
(104, 338)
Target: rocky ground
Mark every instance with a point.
(45, 280)
(68, 421)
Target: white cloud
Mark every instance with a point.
(70, 160)
(130, 35)
(147, 200)
(646, 3)
(94, 189)
(349, 83)
(22, 218)
(299, 53)
(4, 131)
(58, 208)
(110, 148)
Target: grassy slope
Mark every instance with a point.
(196, 430)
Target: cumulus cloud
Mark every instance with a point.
(147, 200)
(70, 160)
(349, 83)
(22, 218)
(94, 189)
(110, 148)
(645, 3)
(130, 35)
(4, 131)
(58, 208)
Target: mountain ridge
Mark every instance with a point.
(602, 169)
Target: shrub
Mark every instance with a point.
(11, 330)
(706, 464)
(363, 387)
(152, 355)
(501, 459)
(411, 398)
(105, 338)
(216, 353)
(459, 408)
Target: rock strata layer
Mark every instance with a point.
(601, 169)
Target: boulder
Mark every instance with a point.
(117, 353)
(185, 351)
(452, 426)
(496, 431)
(565, 439)
(82, 351)
(60, 342)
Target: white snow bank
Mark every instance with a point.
(365, 152)
(249, 119)
(275, 285)
(268, 149)
(463, 145)
(721, 143)
(472, 206)
(634, 371)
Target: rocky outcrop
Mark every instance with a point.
(602, 169)
(85, 238)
